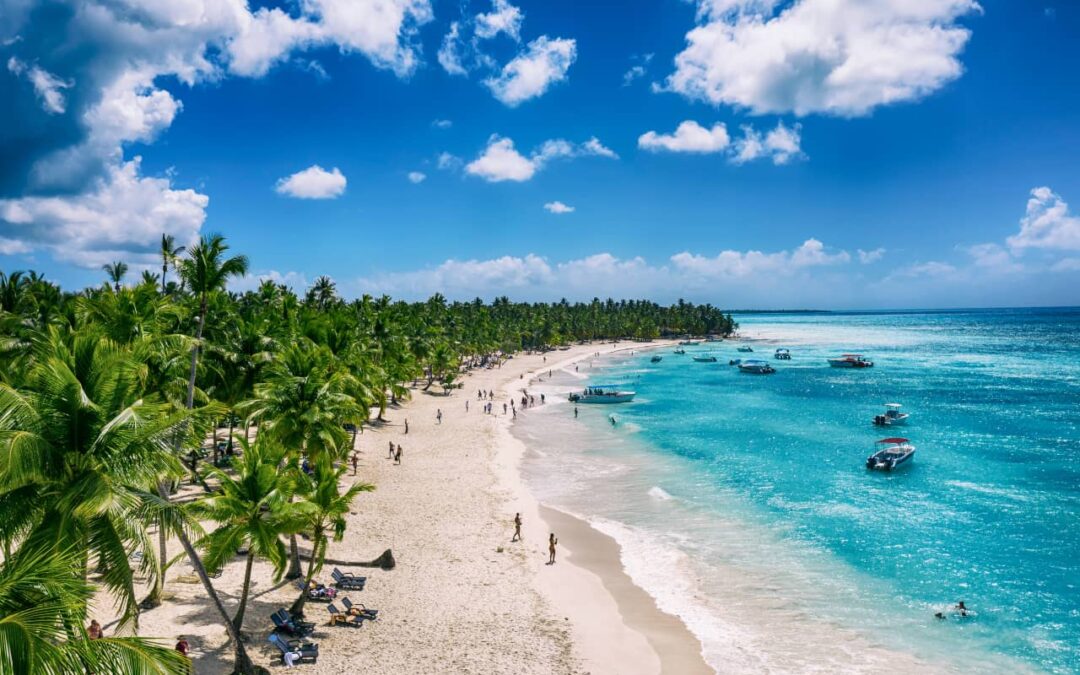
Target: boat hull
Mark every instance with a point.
(614, 398)
(876, 463)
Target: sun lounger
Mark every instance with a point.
(324, 594)
(285, 624)
(339, 618)
(348, 581)
(369, 614)
(301, 651)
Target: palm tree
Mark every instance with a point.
(149, 278)
(116, 272)
(42, 618)
(252, 510)
(324, 516)
(170, 252)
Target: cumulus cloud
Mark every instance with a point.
(689, 136)
(530, 74)
(503, 18)
(250, 282)
(872, 256)
(448, 162)
(558, 208)
(313, 182)
(637, 70)
(48, 87)
(738, 264)
(1047, 224)
(780, 145)
(417, 177)
(837, 57)
(122, 216)
(500, 160)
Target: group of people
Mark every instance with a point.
(552, 540)
(394, 453)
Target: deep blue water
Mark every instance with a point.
(768, 490)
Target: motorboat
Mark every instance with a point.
(746, 348)
(756, 367)
(688, 343)
(734, 362)
(603, 393)
(713, 338)
(705, 358)
(892, 416)
(680, 350)
(656, 359)
(891, 453)
(782, 354)
(850, 361)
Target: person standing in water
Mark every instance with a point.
(552, 542)
(517, 527)
(575, 412)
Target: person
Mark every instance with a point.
(182, 645)
(390, 454)
(517, 527)
(961, 608)
(397, 455)
(93, 631)
(355, 457)
(504, 408)
(406, 425)
(939, 615)
(575, 412)
(438, 415)
(541, 399)
(290, 658)
(466, 405)
(612, 418)
(552, 542)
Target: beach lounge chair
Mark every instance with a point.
(284, 624)
(297, 620)
(348, 581)
(339, 618)
(369, 614)
(301, 651)
(323, 594)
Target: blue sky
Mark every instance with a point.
(900, 153)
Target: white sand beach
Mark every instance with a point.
(463, 598)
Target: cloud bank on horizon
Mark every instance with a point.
(758, 87)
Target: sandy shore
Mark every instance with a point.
(463, 598)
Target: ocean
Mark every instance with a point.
(743, 504)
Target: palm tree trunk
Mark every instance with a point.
(238, 620)
(294, 557)
(243, 663)
(164, 271)
(297, 608)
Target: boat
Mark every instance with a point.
(892, 416)
(734, 362)
(687, 343)
(656, 359)
(705, 358)
(850, 361)
(603, 393)
(891, 453)
(713, 338)
(782, 354)
(746, 348)
(680, 351)
(756, 367)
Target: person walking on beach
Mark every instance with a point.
(390, 454)
(354, 458)
(438, 415)
(466, 405)
(552, 542)
(397, 455)
(517, 527)
(406, 425)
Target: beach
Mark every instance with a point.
(463, 598)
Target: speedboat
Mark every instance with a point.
(782, 354)
(756, 367)
(850, 361)
(892, 416)
(713, 338)
(680, 350)
(656, 359)
(891, 453)
(746, 348)
(734, 362)
(687, 343)
(705, 358)
(603, 393)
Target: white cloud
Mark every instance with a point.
(448, 162)
(417, 177)
(121, 217)
(839, 57)
(781, 144)
(737, 264)
(634, 73)
(1047, 224)
(48, 87)
(442, 124)
(993, 258)
(558, 208)
(531, 73)
(689, 136)
(250, 282)
(868, 257)
(500, 160)
(503, 18)
(313, 182)
(450, 56)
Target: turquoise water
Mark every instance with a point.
(743, 504)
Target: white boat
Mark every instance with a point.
(705, 358)
(892, 416)
(782, 354)
(756, 367)
(850, 361)
(603, 393)
(656, 359)
(891, 453)
(713, 338)
(680, 350)
(746, 348)
(687, 343)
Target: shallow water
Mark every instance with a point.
(743, 504)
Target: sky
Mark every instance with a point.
(826, 154)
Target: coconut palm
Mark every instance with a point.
(324, 516)
(42, 619)
(116, 271)
(253, 510)
(170, 253)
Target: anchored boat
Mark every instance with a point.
(603, 393)
(782, 354)
(705, 358)
(756, 367)
(892, 416)
(657, 358)
(891, 453)
(850, 361)
(746, 348)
